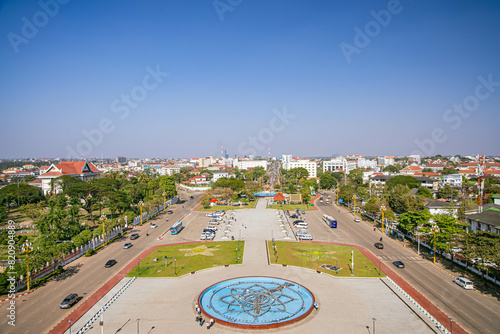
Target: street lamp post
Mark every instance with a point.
(337, 266)
(165, 257)
(451, 326)
(138, 325)
(379, 266)
(354, 198)
(103, 222)
(69, 325)
(382, 209)
(27, 248)
(175, 266)
(138, 267)
(164, 200)
(435, 230)
(374, 325)
(352, 263)
(141, 203)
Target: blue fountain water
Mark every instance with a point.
(256, 300)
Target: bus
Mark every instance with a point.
(330, 221)
(176, 228)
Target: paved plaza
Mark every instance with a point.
(167, 305)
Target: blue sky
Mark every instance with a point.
(181, 78)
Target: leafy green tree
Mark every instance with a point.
(22, 193)
(448, 171)
(406, 180)
(232, 183)
(88, 194)
(391, 169)
(356, 177)
(64, 182)
(346, 193)
(410, 220)
(326, 180)
(401, 200)
(425, 192)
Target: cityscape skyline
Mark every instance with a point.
(171, 79)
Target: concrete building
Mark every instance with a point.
(386, 160)
(310, 166)
(437, 207)
(79, 169)
(248, 164)
(169, 170)
(285, 158)
(488, 220)
(121, 160)
(339, 163)
(454, 180)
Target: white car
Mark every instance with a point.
(356, 220)
(464, 283)
(456, 250)
(302, 232)
(305, 237)
(154, 226)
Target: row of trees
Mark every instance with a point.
(69, 219)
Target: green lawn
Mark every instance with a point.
(250, 205)
(187, 258)
(291, 207)
(313, 255)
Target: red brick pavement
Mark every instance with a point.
(424, 302)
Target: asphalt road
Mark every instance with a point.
(39, 311)
(474, 312)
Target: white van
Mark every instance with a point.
(301, 225)
(305, 237)
(464, 283)
(302, 232)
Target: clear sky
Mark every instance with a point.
(309, 78)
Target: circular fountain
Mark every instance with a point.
(256, 302)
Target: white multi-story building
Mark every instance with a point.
(386, 160)
(454, 180)
(286, 158)
(310, 166)
(339, 163)
(169, 170)
(78, 169)
(366, 163)
(246, 164)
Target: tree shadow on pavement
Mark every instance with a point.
(68, 272)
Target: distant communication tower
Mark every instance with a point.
(222, 152)
(269, 153)
(480, 183)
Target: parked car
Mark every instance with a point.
(110, 263)
(357, 220)
(305, 237)
(69, 301)
(134, 236)
(191, 197)
(154, 226)
(170, 212)
(303, 212)
(399, 264)
(456, 250)
(379, 245)
(464, 283)
(208, 231)
(213, 222)
(212, 228)
(127, 245)
(301, 232)
(301, 225)
(297, 221)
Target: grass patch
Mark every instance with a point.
(188, 258)
(250, 205)
(292, 207)
(313, 255)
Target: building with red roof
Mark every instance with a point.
(81, 169)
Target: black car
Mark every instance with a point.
(192, 197)
(170, 212)
(134, 236)
(399, 264)
(297, 221)
(379, 245)
(69, 301)
(110, 263)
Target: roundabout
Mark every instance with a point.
(256, 302)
